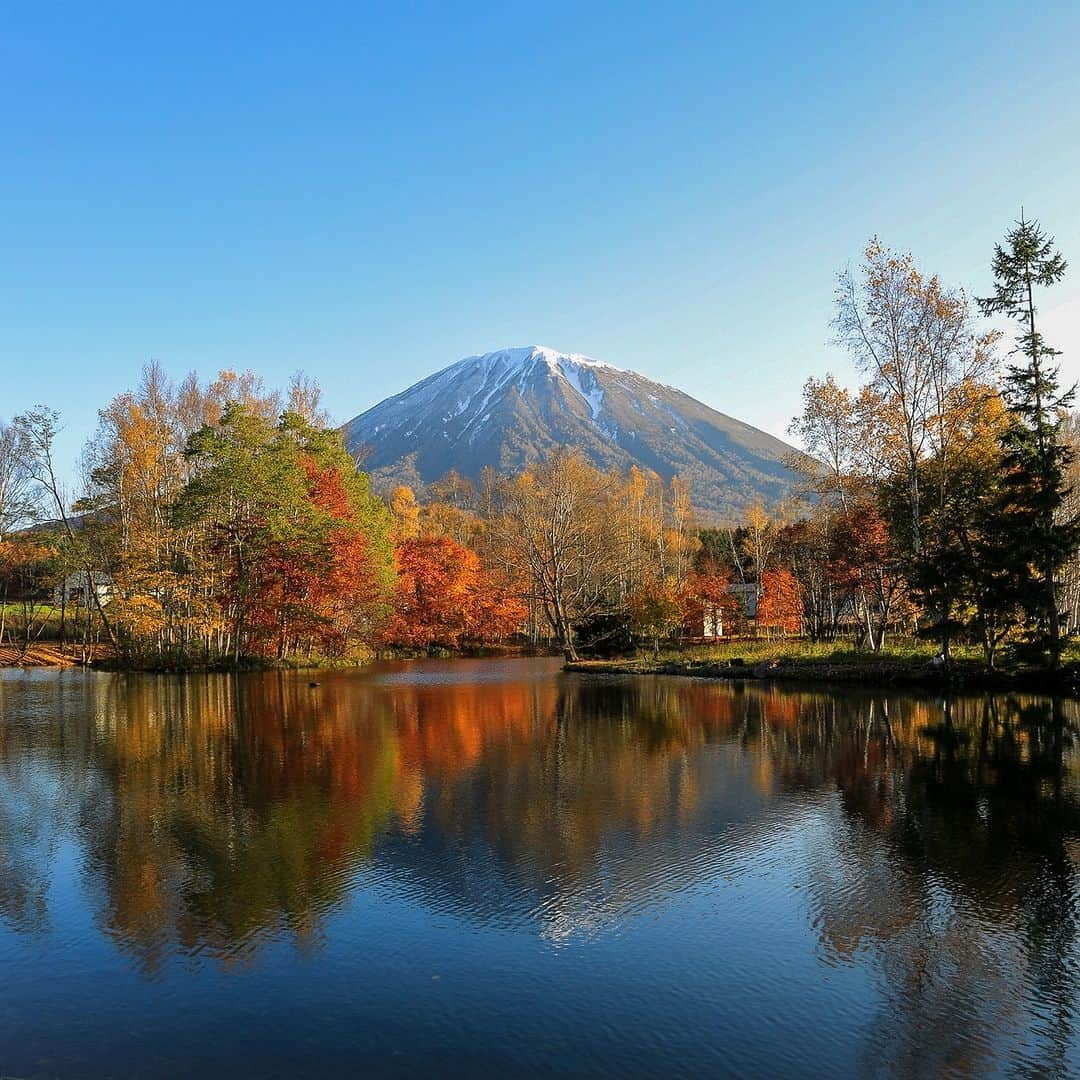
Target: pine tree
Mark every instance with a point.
(1035, 539)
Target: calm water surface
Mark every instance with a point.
(488, 865)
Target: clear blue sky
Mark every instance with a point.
(370, 192)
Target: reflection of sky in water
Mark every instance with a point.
(492, 864)
(733, 833)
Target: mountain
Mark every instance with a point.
(507, 408)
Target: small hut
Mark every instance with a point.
(81, 588)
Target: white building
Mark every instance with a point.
(712, 624)
(80, 587)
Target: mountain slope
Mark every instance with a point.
(507, 408)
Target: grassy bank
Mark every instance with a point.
(910, 663)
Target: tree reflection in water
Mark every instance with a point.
(216, 813)
(955, 867)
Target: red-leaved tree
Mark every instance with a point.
(444, 598)
(779, 603)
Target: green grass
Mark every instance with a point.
(897, 650)
(12, 613)
(759, 651)
(15, 608)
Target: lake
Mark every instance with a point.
(466, 866)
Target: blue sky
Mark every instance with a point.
(369, 192)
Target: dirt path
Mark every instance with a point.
(44, 654)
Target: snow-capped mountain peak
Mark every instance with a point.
(523, 355)
(505, 408)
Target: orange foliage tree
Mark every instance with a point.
(445, 598)
(710, 608)
(864, 568)
(779, 605)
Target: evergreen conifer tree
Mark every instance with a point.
(1035, 540)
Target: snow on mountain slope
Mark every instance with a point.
(505, 409)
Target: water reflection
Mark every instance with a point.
(214, 811)
(937, 841)
(956, 869)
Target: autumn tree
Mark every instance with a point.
(779, 607)
(28, 569)
(928, 374)
(135, 470)
(805, 548)
(864, 569)
(829, 430)
(17, 503)
(325, 588)
(301, 543)
(37, 430)
(657, 608)
(708, 599)
(444, 599)
(912, 337)
(556, 523)
(759, 539)
(406, 511)
(304, 399)
(229, 526)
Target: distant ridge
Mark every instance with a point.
(505, 409)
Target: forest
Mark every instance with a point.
(224, 524)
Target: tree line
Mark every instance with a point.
(228, 523)
(944, 483)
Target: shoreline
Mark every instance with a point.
(880, 674)
(47, 655)
(50, 655)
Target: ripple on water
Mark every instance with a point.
(492, 863)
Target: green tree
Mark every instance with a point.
(1036, 540)
(276, 508)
